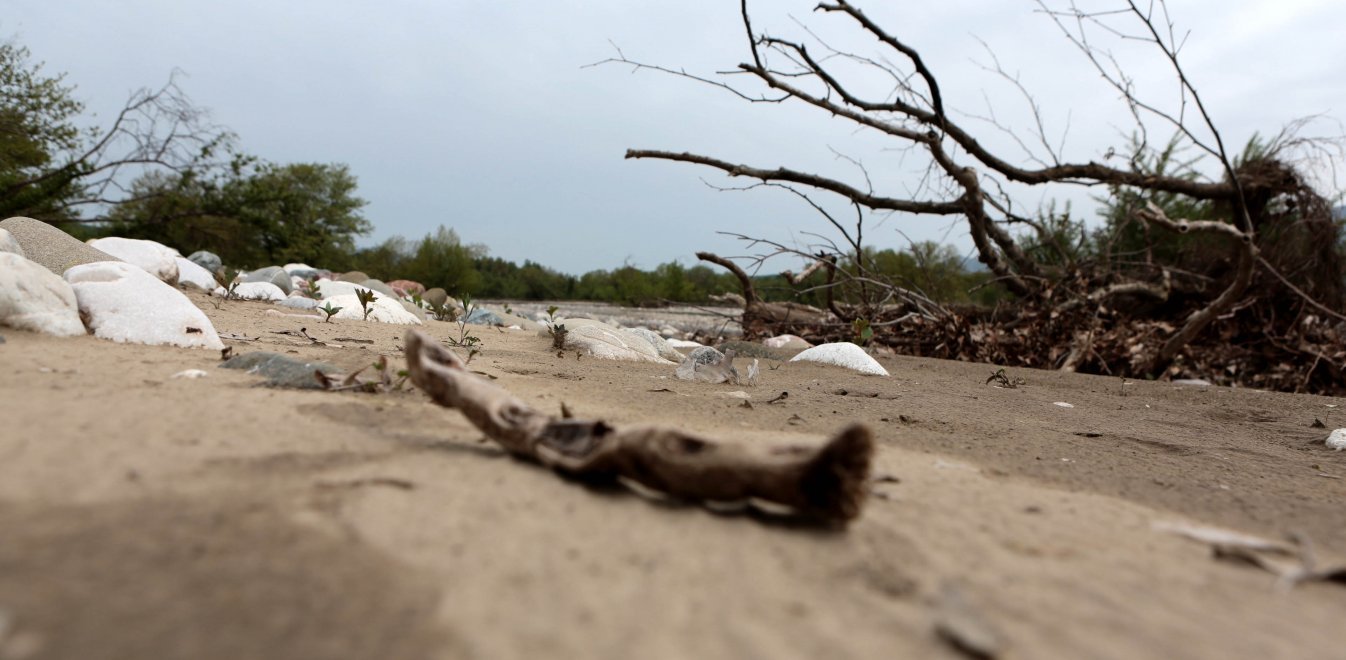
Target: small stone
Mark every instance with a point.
(259, 291)
(436, 296)
(190, 374)
(299, 302)
(787, 343)
(354, 277)
(483, 316)
(207, 260)
(279, 370)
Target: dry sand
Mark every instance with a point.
(147, 517)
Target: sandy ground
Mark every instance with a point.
(147, 517)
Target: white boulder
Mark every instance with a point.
(259, 291)
(191, 273)
(156, 259)
(842, 354)
(609, 342)
(383, 309)
(123, 303)
(1337, 440)
(34, 298)
(661, 346)
(9, 244)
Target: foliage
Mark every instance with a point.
(52, 169)
(252, 213)
(366, 298)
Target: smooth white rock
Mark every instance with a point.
(10, 244)
(661, 346)
(156, 259)
(1337, 440)
(192, 274)
(34, 298)
(190, 374)
(842, 354)
(329, 288)
(787, 342)
(259, 291)
(123, 303)
(384, 309)
(683, 343)
(609, 342)
(290, 268)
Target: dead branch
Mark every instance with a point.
(825, 482)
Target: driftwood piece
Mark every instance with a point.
(816, 481)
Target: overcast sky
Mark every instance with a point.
(481, 116)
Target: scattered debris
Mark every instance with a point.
(1002, 380)
(780, 397)
(352, 340)
(1291, 562)
(237, 337)
(384, 382)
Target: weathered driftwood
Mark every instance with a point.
(818, 481)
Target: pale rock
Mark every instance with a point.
(10, 244)
(154, 258)
(123, 303)
(842, 354)
(259, 291)
(34, 298)
(190, 374)
(384, 309)
(787, 342)
(1337, 440)
(329, 288)
(191, 273)
(608, 342)
(661, 345)
(302, 268)
(299, 302)
(683, 343)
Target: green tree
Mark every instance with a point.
(251, 214)
(52, 169)
(37, 128)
